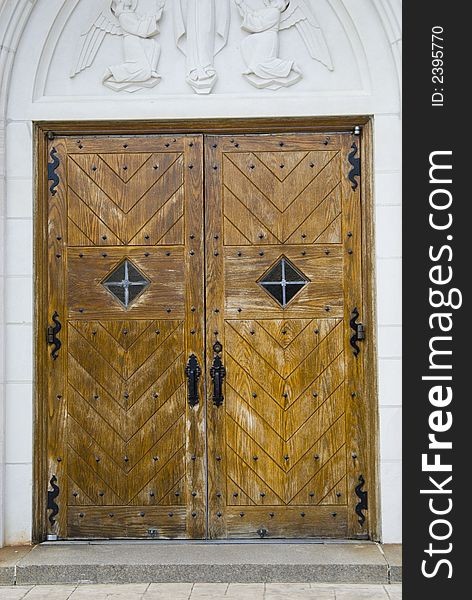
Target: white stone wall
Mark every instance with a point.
(37, 41)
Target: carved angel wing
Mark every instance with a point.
(299, 13)
(91, 40)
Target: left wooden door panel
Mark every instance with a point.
(125, 281)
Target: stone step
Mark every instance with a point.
(134, 562)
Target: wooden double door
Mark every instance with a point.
(204, 363)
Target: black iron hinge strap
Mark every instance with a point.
(359, 332)
(362, 504)
(52, 175)
(355, 162)
(52, 333)
(52, 495)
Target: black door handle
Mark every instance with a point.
(217, 373)
(193, 372)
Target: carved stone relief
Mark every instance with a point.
(141, 51)
(260, 49)
(201, 31)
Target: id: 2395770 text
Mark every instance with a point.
(437, 65)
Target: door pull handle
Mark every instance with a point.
(193, 372)
(217, 373)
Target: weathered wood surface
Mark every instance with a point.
(285, 435)
(121, 433)
(294, 433)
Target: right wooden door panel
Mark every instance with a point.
(286, 443)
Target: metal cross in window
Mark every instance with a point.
(126, 283)
(283, 281)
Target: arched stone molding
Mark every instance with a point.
(390, 12)
(33, 86)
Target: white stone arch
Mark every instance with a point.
(31, 34)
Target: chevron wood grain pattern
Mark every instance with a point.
(257, 203)
(126, 448)
(280, 456)
(125, 197)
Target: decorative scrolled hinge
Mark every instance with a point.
(52, 175)
(52, 338)
(359, 332)
(362, 504)
(52, 495)
(355, 162)
(193, 372)
(217, 373)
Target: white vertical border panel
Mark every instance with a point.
(14, 15)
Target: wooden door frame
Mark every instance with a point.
(238, 126)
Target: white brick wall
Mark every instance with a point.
(387, 165)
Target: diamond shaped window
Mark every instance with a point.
(126, 283)
(283, 281)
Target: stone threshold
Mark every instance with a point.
(201, 562)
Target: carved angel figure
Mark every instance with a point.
(260, 50)
(201, 31)
(141, 51)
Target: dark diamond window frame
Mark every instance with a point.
(132, 279)
(271, 286)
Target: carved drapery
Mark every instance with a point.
(201, 31)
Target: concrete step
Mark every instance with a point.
(156, 562)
